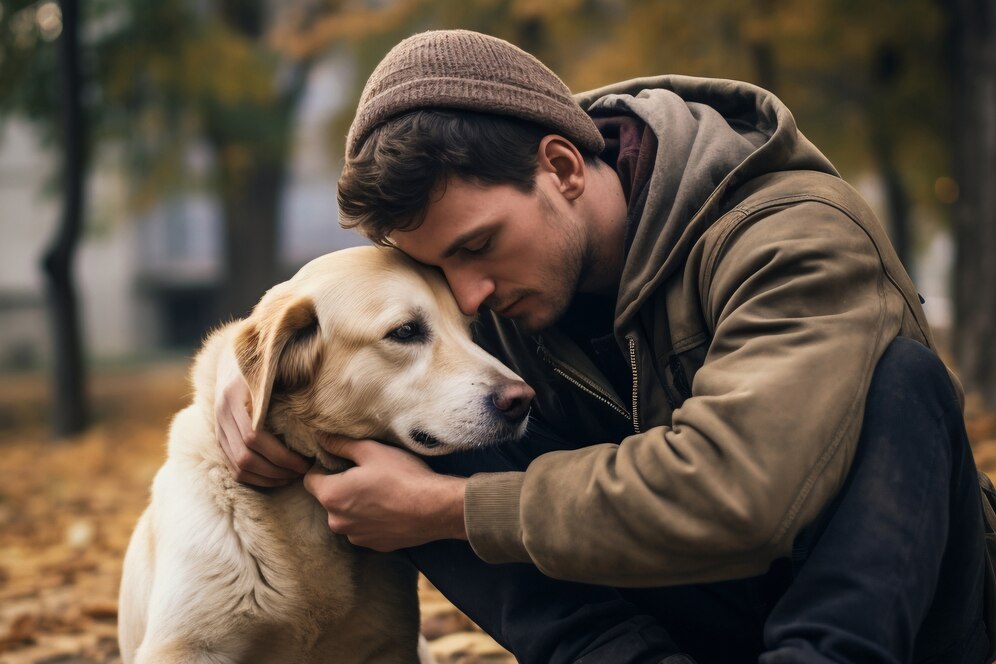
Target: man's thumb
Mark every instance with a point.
(343, 446)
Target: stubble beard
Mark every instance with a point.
(565, 281)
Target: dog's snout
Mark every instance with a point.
(513, 400)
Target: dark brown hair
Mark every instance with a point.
(387, 185)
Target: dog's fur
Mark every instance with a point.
(221, 572)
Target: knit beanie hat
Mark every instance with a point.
(460, 69)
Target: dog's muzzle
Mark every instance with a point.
(513, 401)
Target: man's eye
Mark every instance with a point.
(412, 331)
(478, 248)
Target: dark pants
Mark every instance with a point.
(891, 571)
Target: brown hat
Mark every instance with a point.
(460, 69)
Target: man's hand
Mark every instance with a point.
(390, 500)
(255, 457)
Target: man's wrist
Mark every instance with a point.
(452, 503)
(492, 519)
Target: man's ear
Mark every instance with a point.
(279, 348)
(557, 157)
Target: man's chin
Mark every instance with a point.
(529, 328)
(534, 322)
(526, 322)
(532, 313)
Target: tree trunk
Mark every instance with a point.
(252, 170)
(896, 196)
(69, 407)
(762, 52)
(251, 208)
(886, 72)
(973, 61)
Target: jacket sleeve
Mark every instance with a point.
(801, 309)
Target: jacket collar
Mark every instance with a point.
(713, 136)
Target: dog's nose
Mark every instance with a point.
(513, 400)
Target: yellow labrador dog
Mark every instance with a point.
(362, 342)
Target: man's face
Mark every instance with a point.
(520, 255)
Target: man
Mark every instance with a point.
(741, 446)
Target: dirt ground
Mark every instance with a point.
(67, 510)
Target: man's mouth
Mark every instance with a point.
(509, 311)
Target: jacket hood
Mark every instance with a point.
(713, 136)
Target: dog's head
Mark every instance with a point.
(366, 343)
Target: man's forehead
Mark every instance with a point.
(437, 237)
(458, 207)
(423, 240)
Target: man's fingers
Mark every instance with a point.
(281, 457)
(247, 476)
(254, 457)
(265, 444)
(311, 479)
(250, 460)
(254, 464)
(257, 452)
(316, 483)
(348, 448)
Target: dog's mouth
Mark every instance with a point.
(500, 435)
(425, 439)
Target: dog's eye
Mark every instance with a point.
(411, 331)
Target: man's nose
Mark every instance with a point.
(470, 292)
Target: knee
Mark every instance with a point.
(906, 356)
(910, 375)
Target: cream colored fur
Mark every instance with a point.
(224, 573)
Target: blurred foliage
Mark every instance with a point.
(157, 74)
(853, 72)
(160, 72)
(847, 69)
(164, 75)
(65, 523)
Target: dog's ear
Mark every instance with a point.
(279, 349)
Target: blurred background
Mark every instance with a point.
(163, 163)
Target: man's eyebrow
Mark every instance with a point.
(464, 238)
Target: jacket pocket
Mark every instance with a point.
(680, 366)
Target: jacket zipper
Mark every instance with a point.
(584, 385)
(592, 390)
(632, 365)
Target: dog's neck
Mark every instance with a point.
(301, 438)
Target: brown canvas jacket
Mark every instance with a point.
(758, 294)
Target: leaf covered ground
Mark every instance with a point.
(67, 510)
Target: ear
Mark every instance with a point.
(279, 349)
(557, 157)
